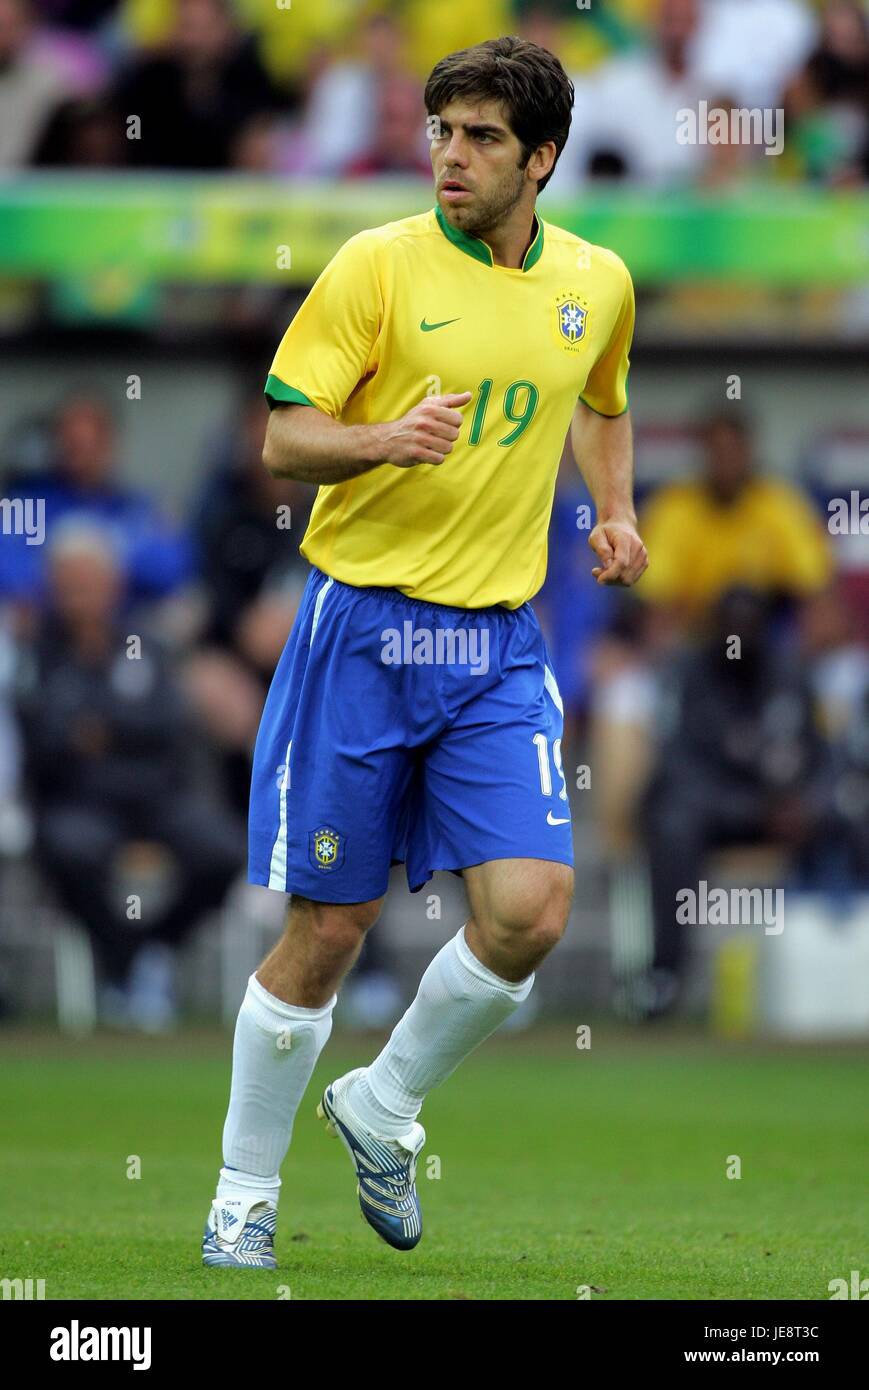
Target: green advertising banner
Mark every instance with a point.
(258, 231)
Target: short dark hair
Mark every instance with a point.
(527, 80)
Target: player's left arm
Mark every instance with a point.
(603, 449)
(602, 440)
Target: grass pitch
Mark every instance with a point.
(557, 1169)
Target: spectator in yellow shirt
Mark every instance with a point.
(731, 526)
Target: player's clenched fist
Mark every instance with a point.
(621, 552)
(427, 433)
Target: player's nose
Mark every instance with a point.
(455, 155)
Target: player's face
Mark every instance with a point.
(475, 159)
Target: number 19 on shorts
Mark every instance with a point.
(541, 743)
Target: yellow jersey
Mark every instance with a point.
(418, 308)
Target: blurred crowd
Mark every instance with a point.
(334, 89)
(725, 701)
(136, 654)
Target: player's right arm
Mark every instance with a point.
(332, 344)
(304, 443)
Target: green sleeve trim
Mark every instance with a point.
(602, 413)
(277, 392)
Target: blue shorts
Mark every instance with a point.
(400, 731)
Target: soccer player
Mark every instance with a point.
(427, 385)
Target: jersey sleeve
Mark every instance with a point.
(332, 342)
(606, 389)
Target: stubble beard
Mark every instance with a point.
(486, 216)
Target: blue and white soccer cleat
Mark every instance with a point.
(385, 1168)
(240, 1233)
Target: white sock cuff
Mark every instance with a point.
(234, 1177)
(268, 1011)
(519, 989)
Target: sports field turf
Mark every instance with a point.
(559, 1168)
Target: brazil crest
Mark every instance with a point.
(571, 320)
(325, 848)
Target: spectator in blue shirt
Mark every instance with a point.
(156, 557)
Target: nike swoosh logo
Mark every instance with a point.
(430, 327)
(551, 820)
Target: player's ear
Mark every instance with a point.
(542, 160)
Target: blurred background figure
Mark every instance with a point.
(345, 101)
(826, 100)
(396, 145)
(626, 112)
(85, 132)
(750, 47)
(16, 828)
(247, 527)
(740, 761)
(30, 85)
(82, 482)
(836, 659)
(851, 790)
(731, 525)
(108, 737)
(196, 97)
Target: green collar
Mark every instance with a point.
(480, 251)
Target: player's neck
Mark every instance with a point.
(509, 241)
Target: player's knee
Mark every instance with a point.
(553, 910)
(536, 914)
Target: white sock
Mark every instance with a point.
(274, 1053)
(233, 1182)
(459, 1004)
